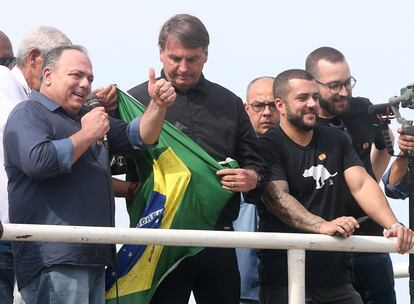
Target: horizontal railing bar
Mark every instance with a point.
(198, 238)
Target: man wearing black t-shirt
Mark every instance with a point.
(309, 166)
(371, 273)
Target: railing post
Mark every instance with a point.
(296, 276)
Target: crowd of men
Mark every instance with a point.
(310, 157)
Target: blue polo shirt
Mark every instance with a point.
(398, 191)
(44, 188)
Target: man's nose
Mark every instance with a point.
(184, 66)
(311, 103)
(267, 111)
(84, 83)
(344, 91)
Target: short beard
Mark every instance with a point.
(298, 122)
(330, 106)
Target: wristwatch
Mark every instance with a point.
(260, 181)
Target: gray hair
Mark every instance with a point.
(187, 29)
(44, 39)
(52, 57)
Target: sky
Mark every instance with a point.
(247, 39)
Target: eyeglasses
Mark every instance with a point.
(336, 87)
(260, 106)
(9, 62)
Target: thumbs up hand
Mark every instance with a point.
(161, 91)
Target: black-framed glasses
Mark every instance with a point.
(9, 62)
(336, 87)
(260, 106)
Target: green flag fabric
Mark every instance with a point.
(180, 190)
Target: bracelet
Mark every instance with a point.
(395, 225)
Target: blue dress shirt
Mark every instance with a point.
(45, 188)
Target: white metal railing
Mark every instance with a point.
(295, 243)
(400, 270)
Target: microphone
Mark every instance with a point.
(382, 108)
(92, 101)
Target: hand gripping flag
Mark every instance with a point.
(180, 190)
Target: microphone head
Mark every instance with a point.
(92, 101)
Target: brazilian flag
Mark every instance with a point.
(180, 190)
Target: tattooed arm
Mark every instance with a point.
(279, 202)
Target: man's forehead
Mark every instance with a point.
(174, 46)
(303, 86)
(332, 69)
(75, 58)
(261, 96)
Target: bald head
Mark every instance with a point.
(6, 49)
(7, 58)
(259, 84)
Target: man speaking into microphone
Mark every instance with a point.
(59, 175)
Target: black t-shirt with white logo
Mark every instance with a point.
(315, 177)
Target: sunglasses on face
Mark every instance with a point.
(9, 62)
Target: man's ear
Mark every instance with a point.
(33, 55)
(161, 55)
(280, 105)
(206, 58)
(46, 79)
